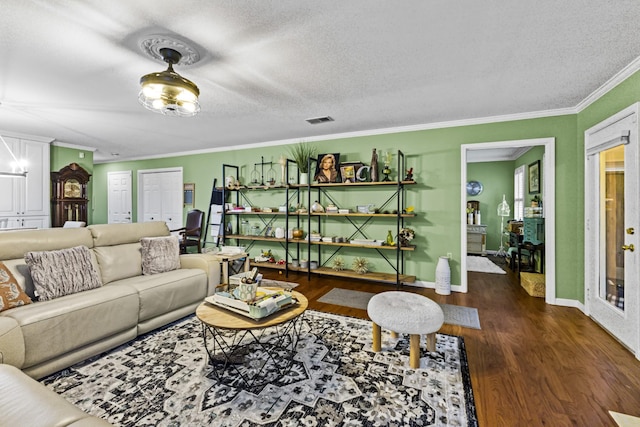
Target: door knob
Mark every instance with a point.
(631, 230)
(628, 247)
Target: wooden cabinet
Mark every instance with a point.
(477, 239)
(24, 201)
(69, 200)
(533, 230)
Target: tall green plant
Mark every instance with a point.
(300, 153)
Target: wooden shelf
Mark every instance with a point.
(259, 213)
(352, 214)
(353, 184)
(389, 278)
(373, 276)
(304, 242)
(367, 215)
(328, 184)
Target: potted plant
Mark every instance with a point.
(300, 153)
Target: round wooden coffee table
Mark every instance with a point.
(250, 353)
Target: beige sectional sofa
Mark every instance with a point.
(47, 336)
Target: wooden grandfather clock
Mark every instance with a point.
(69, 195)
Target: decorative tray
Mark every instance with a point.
(267, 303)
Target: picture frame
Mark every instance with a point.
(331, 173)
(534, 177)
(189, 195)
(349, 172)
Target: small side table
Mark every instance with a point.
(224, 260)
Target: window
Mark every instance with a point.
(518, 193)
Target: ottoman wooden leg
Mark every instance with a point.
(394, 334)
(414, 351)
(431, 342)
(376, 337)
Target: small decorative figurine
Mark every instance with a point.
(409, 176)
(388, 156)
(317, 207)
(373, 171)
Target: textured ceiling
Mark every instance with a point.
(70, 70)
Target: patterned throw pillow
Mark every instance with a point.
(62, 272)
(160, 254)
(11, 294)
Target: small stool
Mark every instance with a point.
(406, 313)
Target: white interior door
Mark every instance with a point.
(612, 218)
(119, 197)
(171, 185)
(160, 196)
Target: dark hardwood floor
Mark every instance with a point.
(532, 364)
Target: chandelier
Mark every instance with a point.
(167, 92)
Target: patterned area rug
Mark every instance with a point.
(164, 379)
(483, 265)
(453, 314)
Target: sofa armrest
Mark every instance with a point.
(11, 342)
(26, 402)
(208, 264)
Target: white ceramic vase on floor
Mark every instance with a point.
(443, 276)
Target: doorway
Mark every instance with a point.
(612, 206)
(119, 197)
(548, 183)
(160, 196)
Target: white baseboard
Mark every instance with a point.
(569, 303)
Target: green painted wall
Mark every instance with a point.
(617, 99)
(435, 157)
(496, 179)
(63, 156)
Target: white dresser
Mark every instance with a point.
(477, 239)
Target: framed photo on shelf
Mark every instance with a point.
(327, 170)
(534, 177)
(349, 170)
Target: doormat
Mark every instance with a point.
(164, 379)
(453, 314)
(483, 265)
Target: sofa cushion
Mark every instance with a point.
(64, 326)
(119, 262)
(15, 244)
(160, 254)
(118, 234)
(11, 294)
(62, 272)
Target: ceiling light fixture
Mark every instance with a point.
(167, 92)
(17, 167)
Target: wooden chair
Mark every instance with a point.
(191, 233)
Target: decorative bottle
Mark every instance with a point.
(373, 172)
(389, 239)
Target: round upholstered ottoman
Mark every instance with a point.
(406, 313)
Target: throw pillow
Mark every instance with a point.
(11, 294)
(62, 272)
(160, 254)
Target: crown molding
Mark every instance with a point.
(19, 135)
(618, 78)
(74, 146)
(614, 81)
